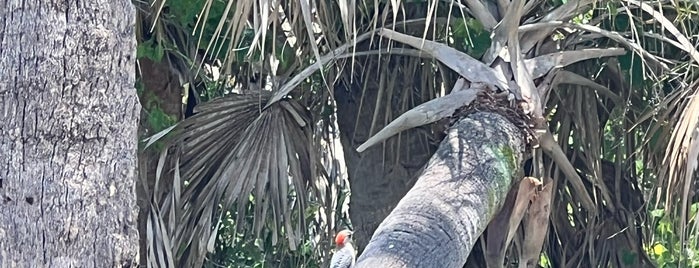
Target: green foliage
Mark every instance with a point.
(470, 37)
(632, 66)
(667, 250)
(584, 18)
(159, 119)
(186, 14)
(156, 118)
(544, 260)
(185, 11)
(150, 50)
(234, 250)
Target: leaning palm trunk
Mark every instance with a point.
(463, 186)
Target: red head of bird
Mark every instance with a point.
(344, 236)
(345, 254)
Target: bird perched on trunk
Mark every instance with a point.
(345, 254)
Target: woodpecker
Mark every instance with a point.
(345, 254)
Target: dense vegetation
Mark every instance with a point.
(626, 122)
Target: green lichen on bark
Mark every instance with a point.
(506, 163)
(460, 190)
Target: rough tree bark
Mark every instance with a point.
(378, 179)
(68, 122)
(464, 184)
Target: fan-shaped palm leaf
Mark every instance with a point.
(581, 112)
(234, 152)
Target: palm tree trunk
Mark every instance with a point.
(463, 186)
(379, 179)
(68, 122)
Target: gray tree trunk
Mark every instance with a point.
(463, 186)
(68, 122)
(378, 177)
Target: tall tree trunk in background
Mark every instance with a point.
(378, 179)
(68, 123)
(162, 90)
(462, 187)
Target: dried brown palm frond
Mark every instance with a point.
(609, 157)
(237, 150)
(600, 187)
(670, 142)
(676, 155)
(234, 152)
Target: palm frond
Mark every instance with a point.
(573, 122)
(677, 172)
(232, 152)
(243, 149)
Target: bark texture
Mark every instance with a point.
(464, 184)
(68, 123)
(381, 175)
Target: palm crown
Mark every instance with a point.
(608, 87)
